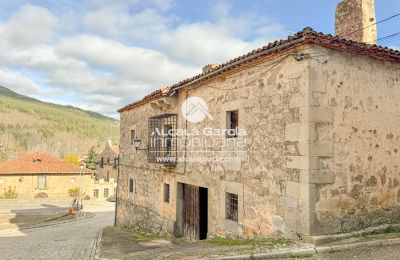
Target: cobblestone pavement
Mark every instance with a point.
(73, 240)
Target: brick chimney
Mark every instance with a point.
(355, 20)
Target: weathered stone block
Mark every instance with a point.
(317, 176)
(293, 189)
(316, 114)
(315, 149)
(302, 162)
(300, 132)
(288, 202)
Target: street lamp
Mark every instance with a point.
(137, 143)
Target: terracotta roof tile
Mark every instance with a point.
(307, 35)
(39, 163)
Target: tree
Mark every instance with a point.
(71, 158)
(91, 159)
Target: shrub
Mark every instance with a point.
(10, 193)
(74, 192)
(41, 195)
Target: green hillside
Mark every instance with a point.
(27, 124)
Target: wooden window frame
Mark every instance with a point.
(131, 184)
(232, 123)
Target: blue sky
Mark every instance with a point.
(103, 54)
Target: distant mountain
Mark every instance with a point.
(28, 124)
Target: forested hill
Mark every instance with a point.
(27, 124)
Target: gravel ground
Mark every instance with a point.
(73, 240)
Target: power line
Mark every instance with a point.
(379, 22)
(388, 38)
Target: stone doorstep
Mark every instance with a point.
(326, 239)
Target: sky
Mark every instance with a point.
(103, 54)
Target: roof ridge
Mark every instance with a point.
(308, 35)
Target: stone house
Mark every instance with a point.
(39, 175)
(107, 163)
(297, 138)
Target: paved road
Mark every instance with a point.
(73, 240)
(370, 253)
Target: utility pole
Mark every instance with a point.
(116, 190)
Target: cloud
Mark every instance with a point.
(110, 53)
(18, 82)
(30, 25)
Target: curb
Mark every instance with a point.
(314, 250)
(97, 244)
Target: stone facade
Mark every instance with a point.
(355, 20)
(320, 154)
(363, 99)
(107, 163)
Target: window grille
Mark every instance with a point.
(166, 192)
(231, 203)
(162, 147)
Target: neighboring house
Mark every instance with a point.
(39, 175)
(306, 130)
(107, 163)
(103, 190)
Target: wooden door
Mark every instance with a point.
(191, 215)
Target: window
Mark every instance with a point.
(133, 136)
(232, 119)
(130, 185)
(106, 192)
(102, 162)
(166, 192)
(162, 146)
(108, 160)
(168, 141)
(115, 163)
(96, 193)
(73, 180)
(42, 182)
(107, 176)
(231, 206)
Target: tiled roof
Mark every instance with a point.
(306, 36)
(39, 163)
(115, 148)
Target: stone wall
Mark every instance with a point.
(268, 95)
(320, 154)
(363, 96)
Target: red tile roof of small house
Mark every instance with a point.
(40, 163)
(306, 36)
